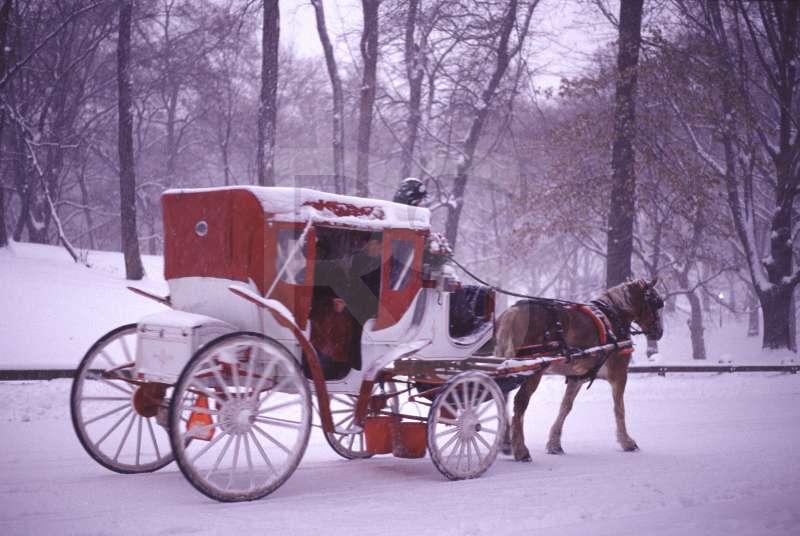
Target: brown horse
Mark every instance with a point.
(535, 322)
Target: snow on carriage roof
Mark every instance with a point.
(303, 204)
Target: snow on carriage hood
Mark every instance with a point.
(304, 204)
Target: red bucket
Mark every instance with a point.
(378, 432)
(410, 439)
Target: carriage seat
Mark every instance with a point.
(471, 308)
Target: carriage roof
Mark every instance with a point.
(302, 205)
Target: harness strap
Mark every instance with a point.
(605, 331)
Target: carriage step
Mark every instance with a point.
(349, 431)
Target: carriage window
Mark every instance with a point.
(400, 264)
(292, 255)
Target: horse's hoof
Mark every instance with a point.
(506, 449)
(523, 456)
(630, 446)
(555, 450)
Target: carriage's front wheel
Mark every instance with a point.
(240, 417)
(352, 446)
(114, 418)
(466, 426)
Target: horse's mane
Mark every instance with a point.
(620, 296)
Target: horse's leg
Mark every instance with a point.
(521, 401)
(554, 442)
(618, 379)
(505, 446)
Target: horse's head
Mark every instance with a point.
(647, 304)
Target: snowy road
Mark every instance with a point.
(719, 456)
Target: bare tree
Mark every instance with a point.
(338, 98)
(369, 55)
(127, 175)
(267, 108)
(621, 214)
(504, 53)
(415, 74)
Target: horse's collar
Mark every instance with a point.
(619, 327)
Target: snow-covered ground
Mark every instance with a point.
(719, 456)
(719, 452)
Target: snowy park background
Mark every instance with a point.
(566, 145)
(718, 451)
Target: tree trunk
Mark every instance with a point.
(775, 308)
(268, 105)
(623, 193)
(5, 17)
(464, 166)
(127, 177)
(338, 98)
(369, 55)
(696, 328)
(415, 75)
(752, 316)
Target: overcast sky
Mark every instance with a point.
(565, 33)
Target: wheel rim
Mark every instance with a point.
(466, 425)
(116, 421)
(343, 407)
(249, 392)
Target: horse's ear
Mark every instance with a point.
(653, 282)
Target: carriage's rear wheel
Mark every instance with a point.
(466, 426)
(240, 417)
(114, 419)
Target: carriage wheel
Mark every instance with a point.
(114, 419)
(466, 426)
(343, 407)
(240, 417)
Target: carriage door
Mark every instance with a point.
(293, 265)
(401, 274)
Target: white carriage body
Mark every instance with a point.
(244, 236)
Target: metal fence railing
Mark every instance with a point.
(661, 370)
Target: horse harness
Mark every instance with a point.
(611, 329)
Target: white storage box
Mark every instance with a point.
(166, 342)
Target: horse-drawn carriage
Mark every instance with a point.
(289, 306)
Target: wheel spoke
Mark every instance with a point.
(139, 440)
(453, 411)
(482, 440)
(205, 392)
(257, 443)
(113, 427)
(447, 431)
(153, 437)
(249, 458)
(199, 409)
(106, 398)
(449, 442)
(117, 386)
(106, 414)
(125, 349)
(124, 438)
(476, 449)
(219, 458)
(249, 378)
(205, 448)
(108, 358)
(284, 423)
(236, 447)
(279, 406)
(272, 440)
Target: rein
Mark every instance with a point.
(538, 299)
